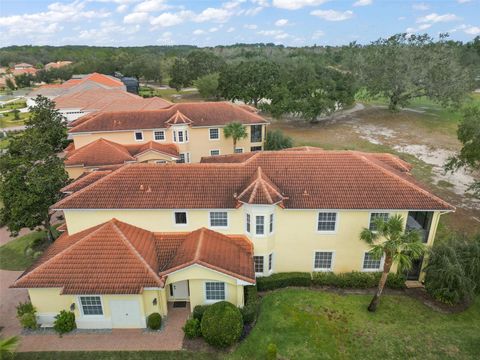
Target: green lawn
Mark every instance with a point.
(113, 355)
(306, 324)
(12, 254)
(169, 94)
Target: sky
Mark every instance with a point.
(209, 23)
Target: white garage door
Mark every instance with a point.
(126, 314)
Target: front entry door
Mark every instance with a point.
(180, 290)
(414, 272)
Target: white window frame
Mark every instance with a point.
(179, 211)
(248, 223)
(380, 268)
(264, 225)
(214, 150)
(159, 131)
(186, 156)
(376, 212)
(238, 152)
(337, 218)
(135, 135)
(210, 134)
(323, 269)
(215, 226)
(259, 273)
(80, 307)
(270, 262)
(212, 301)
(271, 223)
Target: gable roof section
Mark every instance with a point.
(260, 190)
(84, 180)
(111, 258)
(118, 258)
(306, 180)
(200, 114)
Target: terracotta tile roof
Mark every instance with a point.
(153, 103)
(307, 180)
(84, 180)
(232, 255)
(70, 147)
(111, 258)
(230, 158)
(105, 152)
(260, 190)
(200, 114)
(93, 99)
(118, 258)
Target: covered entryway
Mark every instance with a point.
(179, 290)
(126, 314)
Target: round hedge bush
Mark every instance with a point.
(222, 324)
(154, 321)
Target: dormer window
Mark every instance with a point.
(180, 136)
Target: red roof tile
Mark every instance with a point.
(200, 114)
(93, 99)
(260, 190)
(307, 180)
(84, 180)
(118, 258)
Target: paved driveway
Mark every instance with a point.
(170, 338)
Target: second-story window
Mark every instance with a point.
(327, 221)
(214, 134)
(373, 218)
(139, 135)
(159, 135)
(248, 222)
(271, 223)
(256, 133)
(180, 136)
(259, 225)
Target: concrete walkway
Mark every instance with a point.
(169, 338)
(5, 235)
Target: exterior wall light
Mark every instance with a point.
(154, 302)
(72, 307)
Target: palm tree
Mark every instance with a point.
(236, 131)
(398, 246)
(8, 346)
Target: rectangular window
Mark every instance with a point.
(256, 148)
(259, 225)
(238, 150)
(214, 290)
(270, 261)
(258, 262)
(327, 221)
(256, 133)
(91, 305)
(182, 158)
(323, 260)
(248, 223)
(159, 135)
(139, 135)
(271, 223)
(219, 218)
(370, 263)
(375, 216)
(180, 218)
(214, 134)
(180, 136)
(214, 152)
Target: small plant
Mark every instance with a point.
(64, 322)
(198, 311)
(192, 328)
(271, 351)
(222, 324)
(29, 321)
(24, 308)
(8, 346)
(154, 321)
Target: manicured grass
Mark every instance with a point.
(307, 324)
(114, 355)
(12, 254)
(170, 94)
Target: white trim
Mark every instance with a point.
(380, 268)
(80, 307)
(376, 212)
(320, 269)
(210, 226)
(239, 148)
(175, 221)
(214, 150)
(210, 269)
(225, 287)
(255, 226)
(210, 134)
(135, 132)
(327, 232)
(273, 262)
(164, 135)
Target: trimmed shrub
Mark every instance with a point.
(198, 311)
(271, 351)
(222, 324)
(250, 293)
(192, 328)
(29, 321)
(24, 308)
(357, 280)
(250, 311)
(64, 322)
(396, 281)
(281, 280)
(154, 321)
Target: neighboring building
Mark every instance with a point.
(132, 84)
(57, 65)
(196, 128)
(101, 153)
(143, 236)
(22, 66)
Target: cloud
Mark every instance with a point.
(436, 18)
(463, 1)
(199, 32)
(333, 15)
(472, 30)
(276, 34)
(230, 29)
(166, 38)
(281, 22)
(135, 18)
(152, 6)
(253, 11)
(422, 27)
(122, 8)
(363, 3)
(296, 4)
(250, 26)
(263, 3)
(318, 34)
(420, 6)
(213, 14)
(171, 19)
